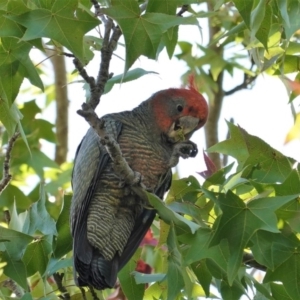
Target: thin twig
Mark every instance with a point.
(97, 88)
(83, 73)
(121, 166)
(94, 295)
(183, 9)
(83, 293)
(244, 85)
(97, 7)
(6, 177)
(64, 292)
(108, 46)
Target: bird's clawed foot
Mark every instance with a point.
(185, 150)
(137, 180)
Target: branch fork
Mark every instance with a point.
(112, 34)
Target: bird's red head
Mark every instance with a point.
(179, 112)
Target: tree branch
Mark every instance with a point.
(6, 177)
(244, 85)
(97, 7)
(215, 105)
(183, 9)
(83, 293)
(62, 103)
(121, 166)
(64, 292)
(108, 46)
(94, 295)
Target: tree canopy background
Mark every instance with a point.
(210, 238)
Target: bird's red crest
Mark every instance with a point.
(192, 84)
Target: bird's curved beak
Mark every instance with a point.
(183, 128)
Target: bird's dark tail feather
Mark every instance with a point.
(101, 273)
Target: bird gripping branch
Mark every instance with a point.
(108, 218)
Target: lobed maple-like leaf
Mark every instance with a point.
(239, 221)
(174, 273)
(15, 64)
(255, 157)
(284, 255)
(58, 22)
(142, 32)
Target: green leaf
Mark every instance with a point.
(169, 40)
(15, 242)
(61, 21)
(55, 265)
(8, 116)
(30, 109)
(15, 269)
(45, 130)
(131, 289)
(27, 296)
(279, 292)
(147, 278)
(64, 240)
(232, 32)
(38, 218)
(189, 209)
(9, 28)
(263, 31)
(203, 275)
(239, 221)
(129, 76)
(245, 9)
(258, 160)
(200, 249)
(181, 187)
(38, 161)
(229, 291)
(16, 222)
(37, 255)
(199, 245)
(283, 8)
(163, 6)
(170, 216)
(262, 289)
(272, 249)
(291, 214)
(12, 193)
(21, 130)
(294, 24)
(144, 30)
(62, 179)
(174, 273)
(257, 16)
(219, 177)
(288, 273)
(154, 291)
(15, 64)
(291, 64)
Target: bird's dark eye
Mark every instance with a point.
(179, 108)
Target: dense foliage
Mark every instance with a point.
(209, 238)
